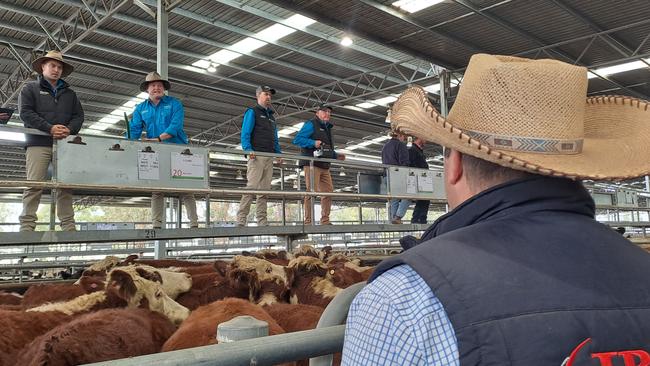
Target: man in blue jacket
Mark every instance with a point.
(519, 272)
(162, 117)
(50, 105)
(259, 133)
(395, 152)
(316, 136)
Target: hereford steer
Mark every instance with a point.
(102, 267)
(216, 288)
(268, 283)
(280, 258)
(126, 288)
(200, 328)
(39, 294)
(173, 283)
(100, 336)
(19, 328)
(10, 298)
(310, 285)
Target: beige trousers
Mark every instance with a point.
(37, 160)
(259, 172)
(322, 183)
(158, 206)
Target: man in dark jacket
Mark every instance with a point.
(418, 160)
(519, 272)
(50, 105)
(259, 133)
(395, 152)
(315, 140)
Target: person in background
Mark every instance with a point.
(418, 160)
(395, 152)
(50, 105)
(162, 117)
(519, 272)
(315, 140)
(259, 133)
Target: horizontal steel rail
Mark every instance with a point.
(98, 236)
(269, 350)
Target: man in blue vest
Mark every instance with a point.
(315, 140)
(259, 133)
(518, 272)
(162, 117)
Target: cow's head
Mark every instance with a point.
(128, 284)
(267, 282)
(173, 283)
(308, 266)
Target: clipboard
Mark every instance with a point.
(128, 126)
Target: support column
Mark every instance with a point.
(445, 91)
(162, 35)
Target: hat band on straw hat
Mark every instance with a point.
(528, 144)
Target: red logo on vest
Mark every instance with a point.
(635, 357)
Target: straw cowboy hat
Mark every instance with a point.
(37, 65)
(150, 78)
(534, 115)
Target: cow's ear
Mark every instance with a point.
(221, 266)
(291, 274)
(122, 283)
(129, 260)
(149, 275)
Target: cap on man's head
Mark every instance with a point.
(264, 88)
(324, 106)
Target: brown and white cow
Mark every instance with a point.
(268, 283)
(200, 328)
(99, 336)
(311, 285)
(132, 287)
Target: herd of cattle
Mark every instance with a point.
(131, 307)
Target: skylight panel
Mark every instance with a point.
(609, 70)
(413, 6)
(275, 32)
(299, 21)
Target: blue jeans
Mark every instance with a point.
(398, 207)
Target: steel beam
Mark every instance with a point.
(162, 39)
(68, 37)
(409, 20)
(265, 14)
(334, 23)
(512, 28)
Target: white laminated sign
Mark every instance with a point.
(187, 166)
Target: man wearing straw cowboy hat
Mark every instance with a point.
(50, 105)
(518, 272)
(162, 117)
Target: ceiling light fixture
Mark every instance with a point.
(346, 41)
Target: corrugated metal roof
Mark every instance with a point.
(112, 61)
